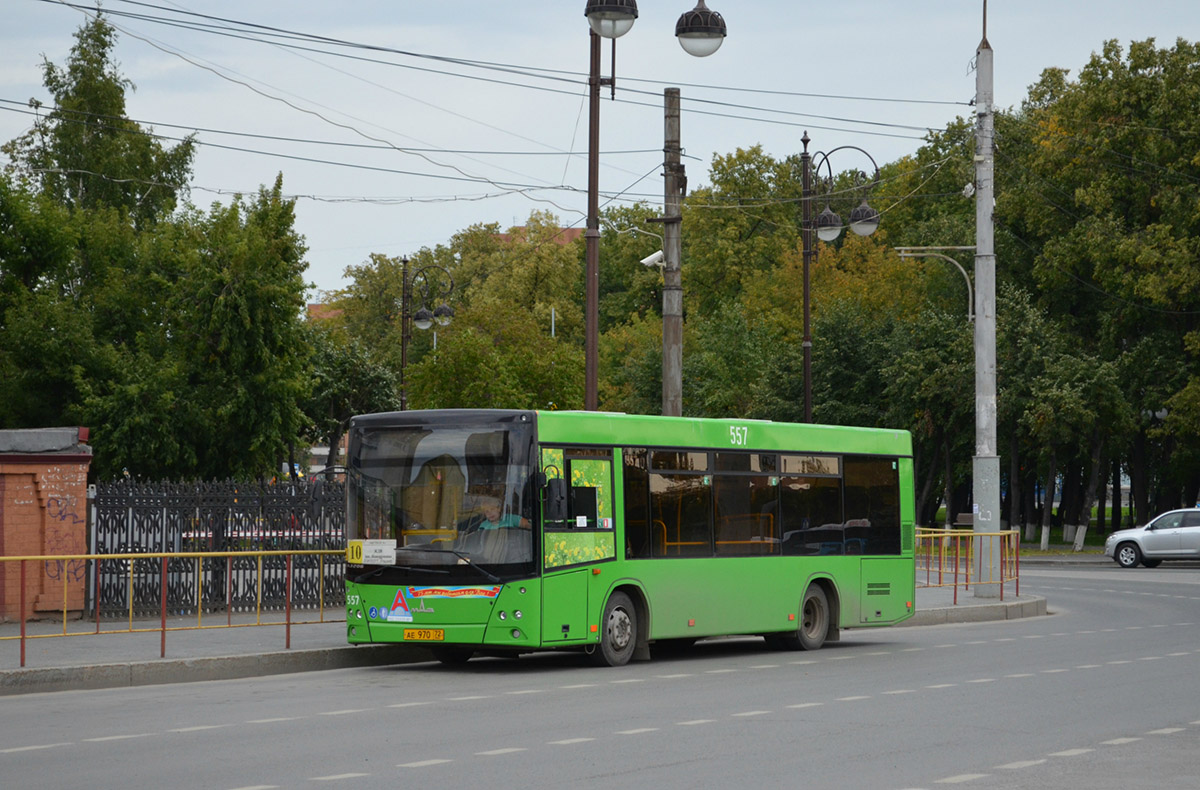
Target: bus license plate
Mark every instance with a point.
(424, 634)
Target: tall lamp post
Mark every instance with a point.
(431, 290)
(700, 33)
(828, 226)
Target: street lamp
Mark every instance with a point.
(828, 226)
(934, 252)
(700, 32)
(424, 318)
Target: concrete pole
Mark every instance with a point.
(985, 465)
(674, 185)
(591, 237)
(806, 237)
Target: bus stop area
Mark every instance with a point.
(123, 659)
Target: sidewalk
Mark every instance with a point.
(133, 659)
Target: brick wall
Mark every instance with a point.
(43, 511)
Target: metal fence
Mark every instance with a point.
(137, 517)
(948, 558)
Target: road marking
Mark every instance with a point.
(694, 722)
(468, 699)
(638, 731)
(851, 699)
(1166, 731)
(1119, 741)
(1119, 662)
(407, 704)
(32, 748)
(580, 686)
(677, 675)
(199, 728)
(258, 787)
(879, 653)
(1149, 658)
(423, 763)
(753, 713)
(338, 777)
(718, 671)
(807, 705)
(942, 686)
(901, 691)
(528, 691)
(1071, 752)
(1006, 639)
(765, 666)
(811, 661)
(1088, 666)
(840, 658)
(953, 780)
(982, 680)
(118, 737)
(1054, 671)
(345, 712)
(629, 680)
(272, 721)
(494, 752)
(912, 650)
(1019, 764)
(1020, 675)
(1174, 655)
(978, 642)
(569, 741)
(1032, 636)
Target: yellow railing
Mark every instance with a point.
(63, 561)
(947, 558)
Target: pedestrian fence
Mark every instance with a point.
(251, 584)
(962, 558)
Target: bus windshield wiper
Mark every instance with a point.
(466, 560)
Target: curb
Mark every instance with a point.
(189, 670)
(1025, 606)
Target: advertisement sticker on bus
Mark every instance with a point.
(399, 613)
(453, 592)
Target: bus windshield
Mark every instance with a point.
(456, 498)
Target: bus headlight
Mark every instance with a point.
(503, 616)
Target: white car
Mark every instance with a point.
(1175, 535)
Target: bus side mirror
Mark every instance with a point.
(556, 500)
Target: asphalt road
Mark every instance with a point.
(1100, 694)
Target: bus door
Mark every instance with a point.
(578, 532)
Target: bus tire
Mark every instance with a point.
(814, 618)
(814, 623)
(452, 656)
(618, 632)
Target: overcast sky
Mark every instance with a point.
(491, 144)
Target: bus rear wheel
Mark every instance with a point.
(814, 623)
(618, 632)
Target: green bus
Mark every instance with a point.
(497, 531)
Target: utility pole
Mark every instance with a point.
(985, 466)
(674, 187)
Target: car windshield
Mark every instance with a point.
(456, 499)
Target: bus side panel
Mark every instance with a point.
(714, 596)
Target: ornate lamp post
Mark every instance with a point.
(431, 290)
(828, 226)
(700, 32)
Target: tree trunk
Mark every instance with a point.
(1118, 515)
(1139, 483)
(335, 448)
(926, 487)
(1014, 484)
(1102, 505)
(1089, 494)
(1048, 503)
(1029, 507)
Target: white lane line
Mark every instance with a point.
(346, 712)
(569, 741)
(1006, 639)
(718, 671)
(978, 642)
(198, 728)
(1118, 662)
(840, 658)
(807, 705)
(1019, 764)
(879, 653)
(1166, 731)
(638, 731)
(1032, 636)
(677, 675)
(423, 763)
(912, 650)
(628, 680)
(982, 680)
(1020, 675)
(852, 699)
(1175, 655)
(118, 737)
(694, 722)
(811, 661)
(902, 691)
(524, 691)
(337, 777)
(1119, 741)
(1087, 666)
(942, 686)
(580, 686)
(1071, 752)
(953, 780)
(470, 698)
(258, 787)
(276, 719)
(752, 713)
(494, 752)
(407, 704)
(15, 749)
(765, 666)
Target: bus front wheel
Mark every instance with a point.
(618, 632)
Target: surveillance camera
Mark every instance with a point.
(653, 259)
